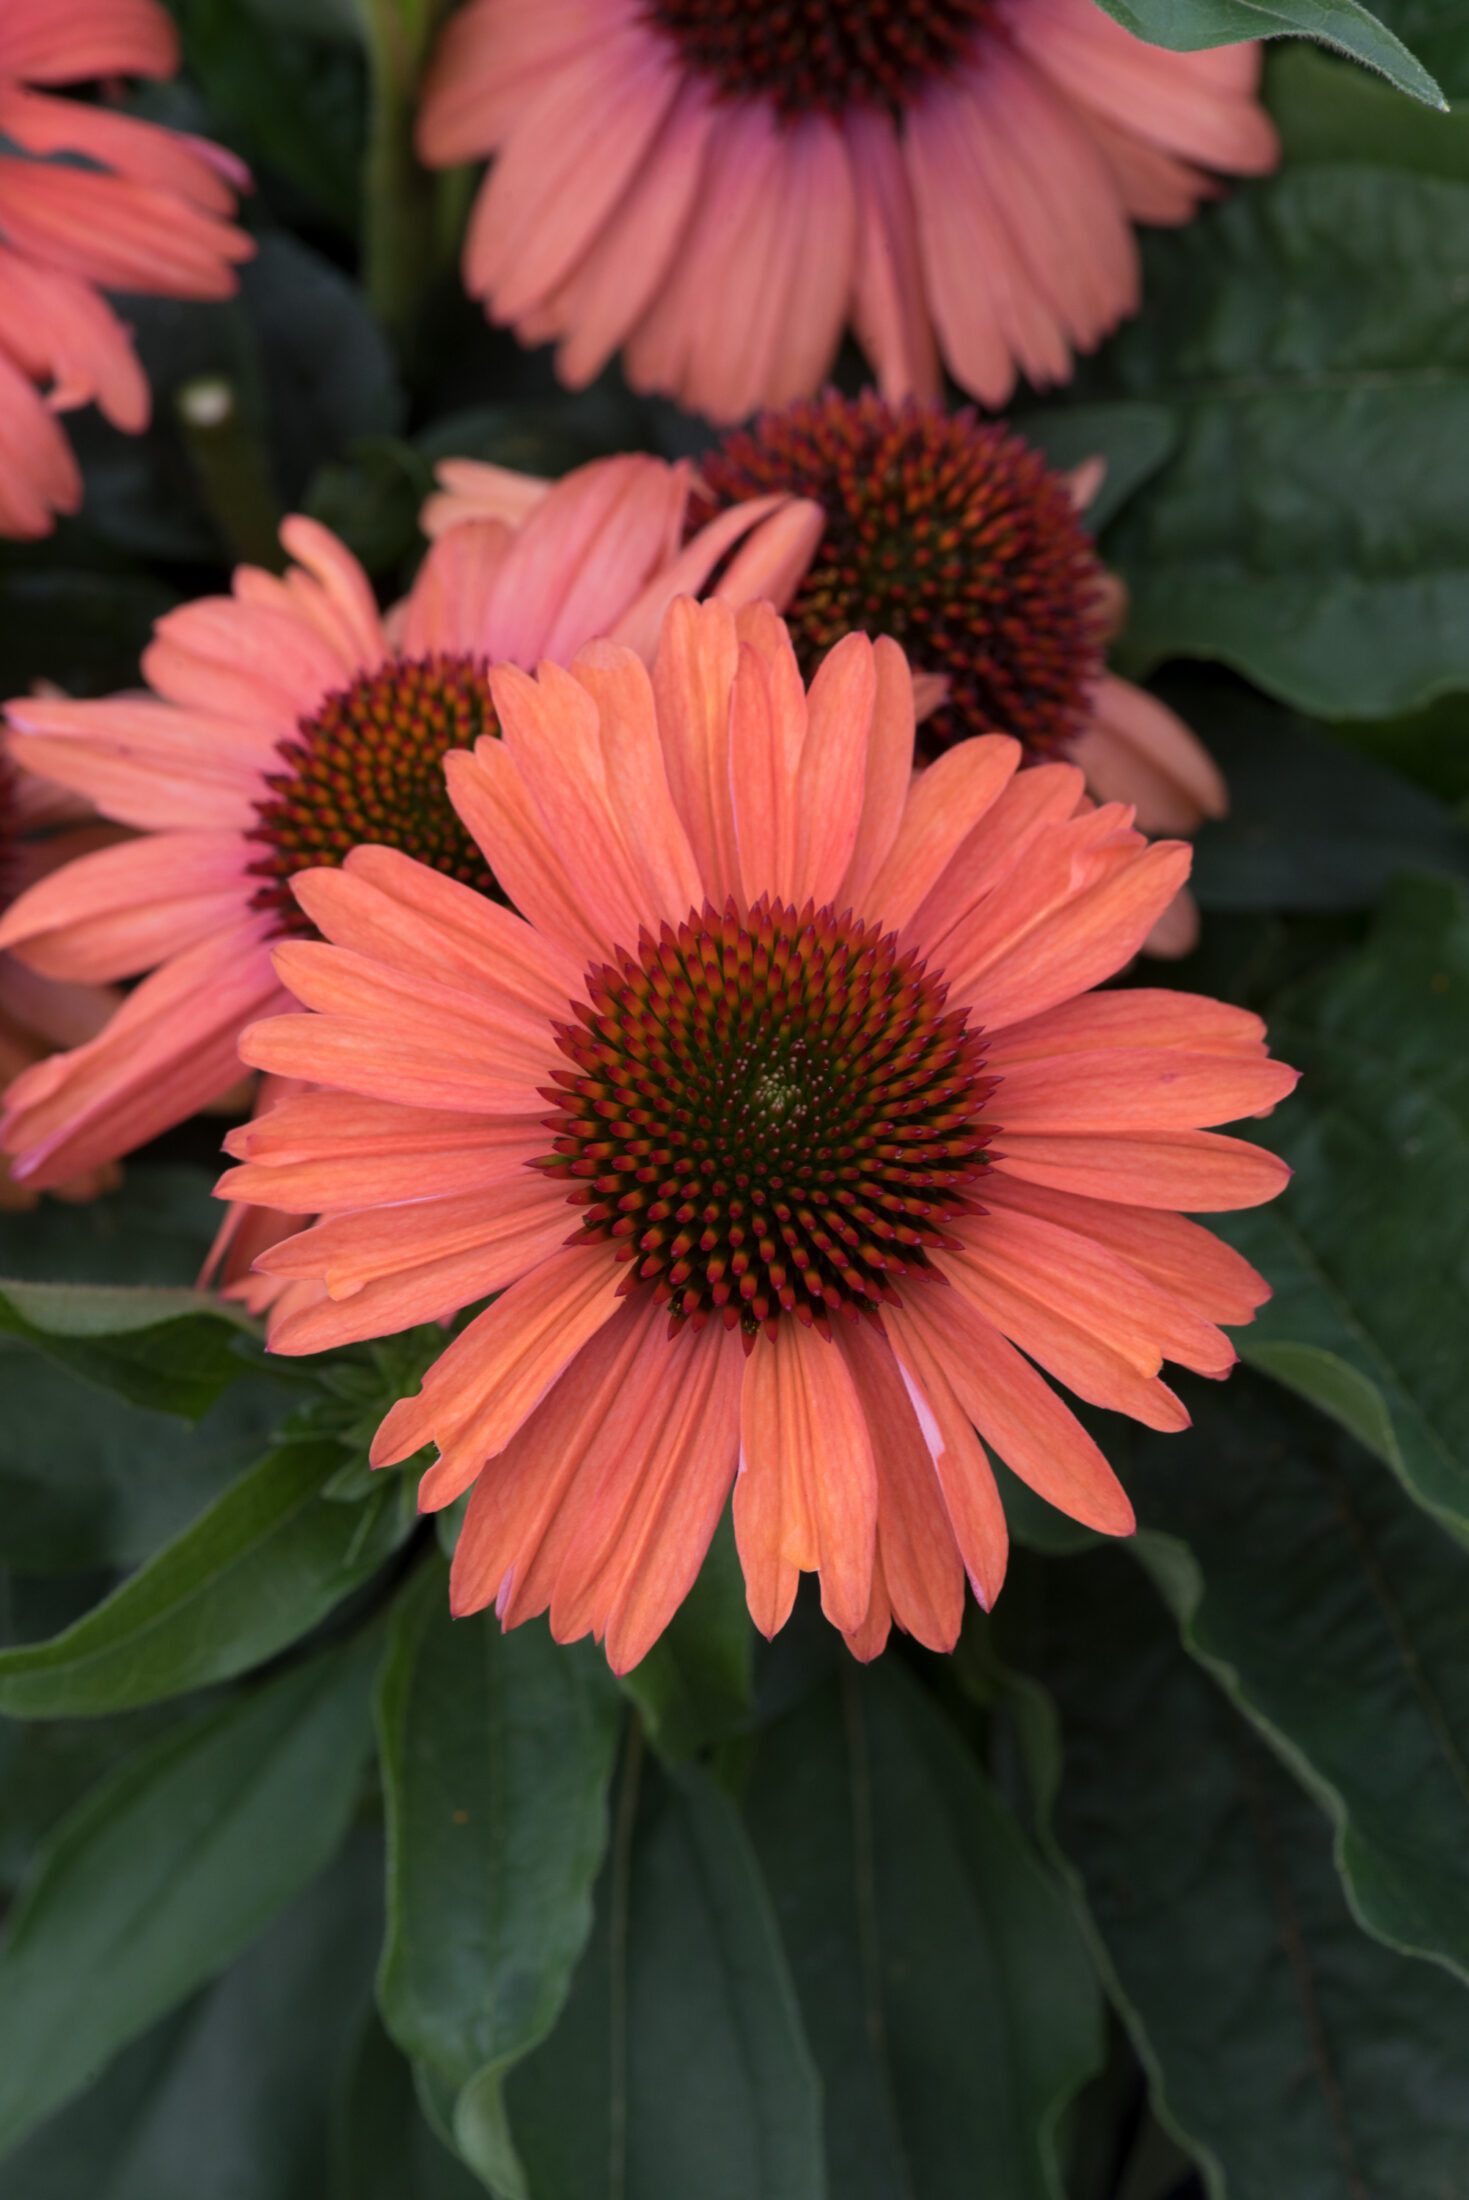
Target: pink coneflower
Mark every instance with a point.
(91, 200)
(953, 536)
(719, 186)
(286, 724)
(42, 827)
(784, 1121)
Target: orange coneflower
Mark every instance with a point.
(91, 200)
(286, 724)
(719, 188)
(785, 1122)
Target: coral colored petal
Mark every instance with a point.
(1183, 1257)
(493, 1376)
(945, 804)
(170, 1049)
(693, 675)
(806, 1497)
(143, 762)
(489, 792)
(890, 309)
(1019, 1415)
(53, 43)
(120, 910)
(1137, 750)
(918, 1573)
(971, 1499)
(526, 1507)
(414, 919)
(1135, 1089)
(321, 1152)
(448, 609)
(887, 773)
(665, 1460)
(1197, 1172)
(768, 543)
(831, 776)
(636, 786)
(469, 1026)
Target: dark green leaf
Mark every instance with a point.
(84, 1486)
(387, 2149)
(1187, 25)
(1298, 2056)
(694, 1686)
(1438, 32)
(1311, 824)
(173, 1351)
(948, 1997)
(167, 1871)
(256, 1571)
(1337, 1615)
(157, 1227)
(679, 2065)
(1365, 1251)
(231, 2097)
(1328, 111)
(1134, 440)
(1308, 336)
(497, 1750)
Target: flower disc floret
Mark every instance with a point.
(772, 1113)
(952, 535)
(822, 55)
(368, 765)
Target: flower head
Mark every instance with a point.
(718, 189)
(286, 724)
(90, 201)
(779, 1111)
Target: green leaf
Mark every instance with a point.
(387, 2149)
(256, 1571)
(167, 1871)
(1365, 1251)
(84, 1486)
(157, 1227)
(497, 1751)
(174, 1351)
(1326, 110)
(1311, 824)
(1307, 530)
(679, 2066)
(948, 1997)
(231, 2097)
(1336, 1613)
(1133, 440)
(1296, 2055)
(1187, 25)
(694, 1687)
(1438, 32)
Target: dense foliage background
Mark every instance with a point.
(1158, 1887)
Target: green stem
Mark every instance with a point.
(232, 469)
(400, 223)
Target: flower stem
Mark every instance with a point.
(232, 468)
(401, 242)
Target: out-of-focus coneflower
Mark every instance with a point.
(718, 189)
(91, 201)
(287, 724)
(780, 1112)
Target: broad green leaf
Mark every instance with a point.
(1295, 2055)
(679, 2066)
(1311, 824)
(1308, 529)
(156, 1227)
(694, 1686)
(1188, 25)
(1336, 1613)
(256, 1571)
(86, 1486)
(1365, 1251)
(174, 1351)
(1133, 441)
(1328, 111)
(387, 2149)
(233, 2096)
(497, 1750)
(168, 1870)
(948, 1997)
